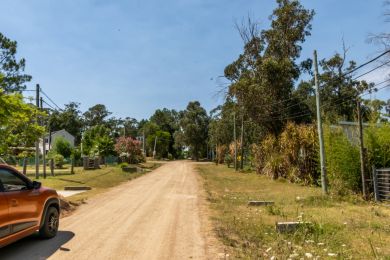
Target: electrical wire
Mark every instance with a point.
(48, 104)
(368, 72)
(366, 63)
(50, 99)
(302, 114)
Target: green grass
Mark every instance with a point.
(348, 227)
(99, 180)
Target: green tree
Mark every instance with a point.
(97, 141)
(162, 144)
(69, 119)
(96, 115)
(62, 146)
(263, 76)
(18, 122)
(194, 129)
(11, 68)
(168, 121)
(149, 129)
(105, 146)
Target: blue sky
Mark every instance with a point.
(136, 56)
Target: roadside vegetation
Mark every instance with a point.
(99, 180)
(341, 227)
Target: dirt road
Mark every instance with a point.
(157, 216)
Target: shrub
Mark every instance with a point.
(342, 161)
(76, 154)
(294, 155)
(221, 152)
(129, 150)
(58, 161)
(123, 165)
(228, 159)
(170, 156)
(62, 146)
(232, 148)
(377, 141)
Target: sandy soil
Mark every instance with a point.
(158, 216)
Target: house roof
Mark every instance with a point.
(55, 132)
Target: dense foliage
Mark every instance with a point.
(129, 150)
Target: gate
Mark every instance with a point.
(381, 180)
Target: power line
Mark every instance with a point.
(366, 63)
(380, 66)
(48, 104)
(50, 99)
(304, 113)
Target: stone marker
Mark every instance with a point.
(260, 203)
(290, 226)
(77, 188)
(130, 169)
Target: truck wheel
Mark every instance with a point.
(50, 226)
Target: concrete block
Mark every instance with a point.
(290, 226)
(77, 188)
(260, 203)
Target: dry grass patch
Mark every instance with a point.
(341, 228)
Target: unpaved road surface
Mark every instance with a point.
(157, 216)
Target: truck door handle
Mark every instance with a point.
(14, 203)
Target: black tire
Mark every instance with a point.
(50, 226)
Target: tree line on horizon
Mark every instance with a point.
(269, 97)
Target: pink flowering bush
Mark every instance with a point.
(129, 150)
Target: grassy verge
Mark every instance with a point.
(99, 180)
(340, 228)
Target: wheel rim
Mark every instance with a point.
(53, 223)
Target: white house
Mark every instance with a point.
(50, 140)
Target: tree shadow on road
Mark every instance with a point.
(34, 248)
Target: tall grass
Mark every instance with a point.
(377, 141)
(342, 161)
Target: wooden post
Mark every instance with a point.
(37, 142)
(24, 166)
(242, 143)
(52, 167)
(361, 146)
(72, 166)
(375, 182)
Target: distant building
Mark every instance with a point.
(50, 139)
(351, 130)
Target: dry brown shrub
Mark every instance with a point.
(222, 150)
(294, 155)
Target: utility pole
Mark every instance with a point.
(154, 150)
(361, 147)
(324, 179)
(143, 142)
(43, 147)
(37, 89)
(235, 141)
(242, 143)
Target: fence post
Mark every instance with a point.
(24, 166)
(72, 166)
(52, 167)
(375, 182)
